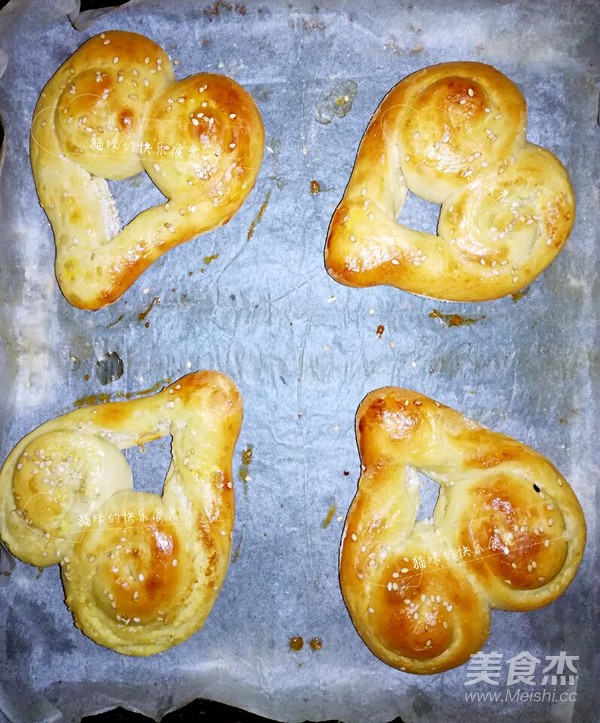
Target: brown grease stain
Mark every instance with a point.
(380, 330)
(103, 397)
(519, 295)
(316, 644)
(296, 643)
(244, 470)
(221, 5)
(258, 216)
(236, 553)
(143, 314)
(328, 517)
(454, 319)
(209, 259)
(315, 187)
(115, 322)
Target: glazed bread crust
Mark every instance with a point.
(141, 572)
(112, 110)
(453, 134)
(507, 532)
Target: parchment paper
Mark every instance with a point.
(253, 299)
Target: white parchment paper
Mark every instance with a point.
(252, 299)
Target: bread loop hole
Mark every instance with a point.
(429, 492)
(419, 214)
(134, 195)
(149, 464)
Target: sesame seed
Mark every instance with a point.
(175, 563)
(141, 577)
(115, 59)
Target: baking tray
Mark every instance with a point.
(252, 299)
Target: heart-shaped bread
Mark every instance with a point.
(507, 532)
(141, 572)
(112, 110)
(453, 134)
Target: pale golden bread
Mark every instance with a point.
(141, 572)
(507, 532)
(453, 134)
(112, 110)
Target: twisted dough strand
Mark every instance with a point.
(507, 532)
(144, 571)
(112, 110)
(452, 134)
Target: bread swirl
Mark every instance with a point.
(507, 532)
(453, 134)
(112, 110)
(141, 572)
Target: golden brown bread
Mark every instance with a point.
(112, 110)
(453, 134)
(507, 532)
(141, 572)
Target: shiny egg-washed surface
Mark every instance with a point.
(141, 572)
(493, 488)
(453, 134)
(114, 109)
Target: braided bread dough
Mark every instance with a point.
(453, 134)
(112, 110)
(141, 572)
(507, 532)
